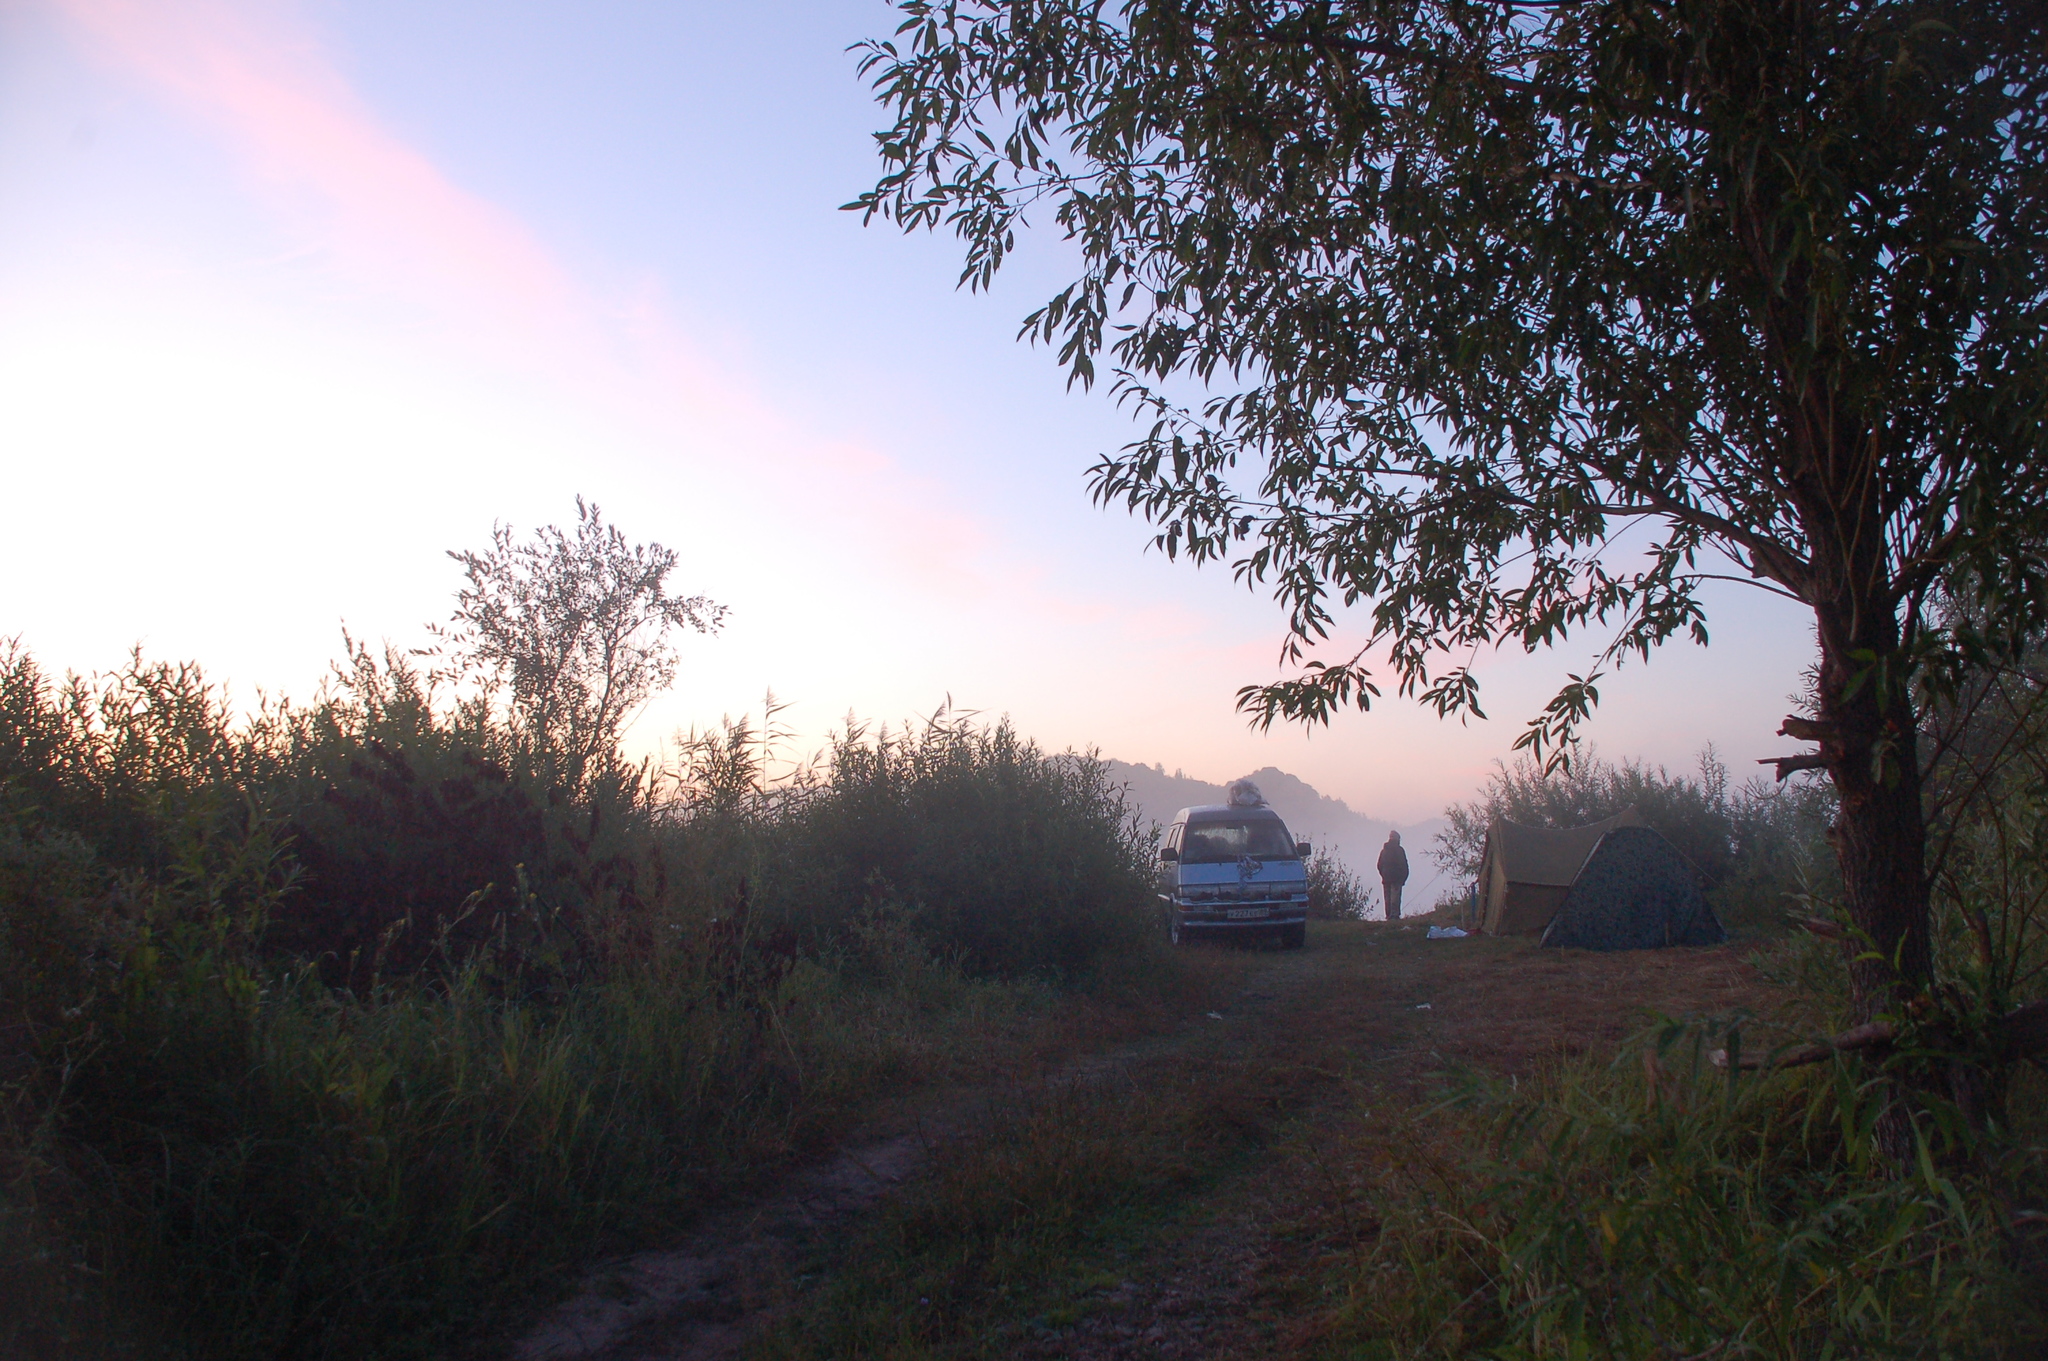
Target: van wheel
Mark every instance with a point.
(1294, 937)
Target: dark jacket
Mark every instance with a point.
(1393, 864)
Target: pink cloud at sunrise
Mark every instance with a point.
(382, 208)
(385, 215)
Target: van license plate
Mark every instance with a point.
(1243, 913)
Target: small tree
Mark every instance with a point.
(1335, 892)
(1479, 286)
(576, 627)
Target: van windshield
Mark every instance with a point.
(1211, 843)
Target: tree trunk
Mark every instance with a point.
(1868, 735)
(1866, 722)
(1868, 732)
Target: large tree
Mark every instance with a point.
(1508, 320)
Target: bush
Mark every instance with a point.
(1016, 861)
(1759, 848)
(343, 1023)
(1335, 893)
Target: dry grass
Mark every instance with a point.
(1508, 1006)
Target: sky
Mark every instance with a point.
(298, 295)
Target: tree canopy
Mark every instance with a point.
(576, 627)
(1513, 320)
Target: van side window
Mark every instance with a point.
(1173, 836)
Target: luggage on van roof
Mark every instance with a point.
(1223, 812)
(1245, 794)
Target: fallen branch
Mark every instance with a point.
(1861, 1037)
(2020, 1033)
(1819, 926)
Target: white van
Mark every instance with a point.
(1233, 871)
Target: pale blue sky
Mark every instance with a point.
(297, 294)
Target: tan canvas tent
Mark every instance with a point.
(1527, 871)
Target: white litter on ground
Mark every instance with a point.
(1447, 933)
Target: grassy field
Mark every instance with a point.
(342, 1030)
(358, 1030)
(1390, 1146)
(436, 1122)
(1380, 1146)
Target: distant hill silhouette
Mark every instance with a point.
(1314, 817)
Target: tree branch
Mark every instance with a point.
(1788, 765)
(1780, 563)
(1542, 88)
(1808, 729)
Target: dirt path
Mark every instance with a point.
(699, 1299)
(1229, 1274)
(1364, 1010)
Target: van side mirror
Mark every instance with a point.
(1168, 854)
(1301, 849)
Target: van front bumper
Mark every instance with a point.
(1237, 918)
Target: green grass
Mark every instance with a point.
(1562, 1220)
(305, 1174)
(1628, 1210)
(1024, 1224)
(1623, 1212)
(339, 1031)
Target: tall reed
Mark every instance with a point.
(341, 1026)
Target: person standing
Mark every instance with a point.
(1393, 874)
